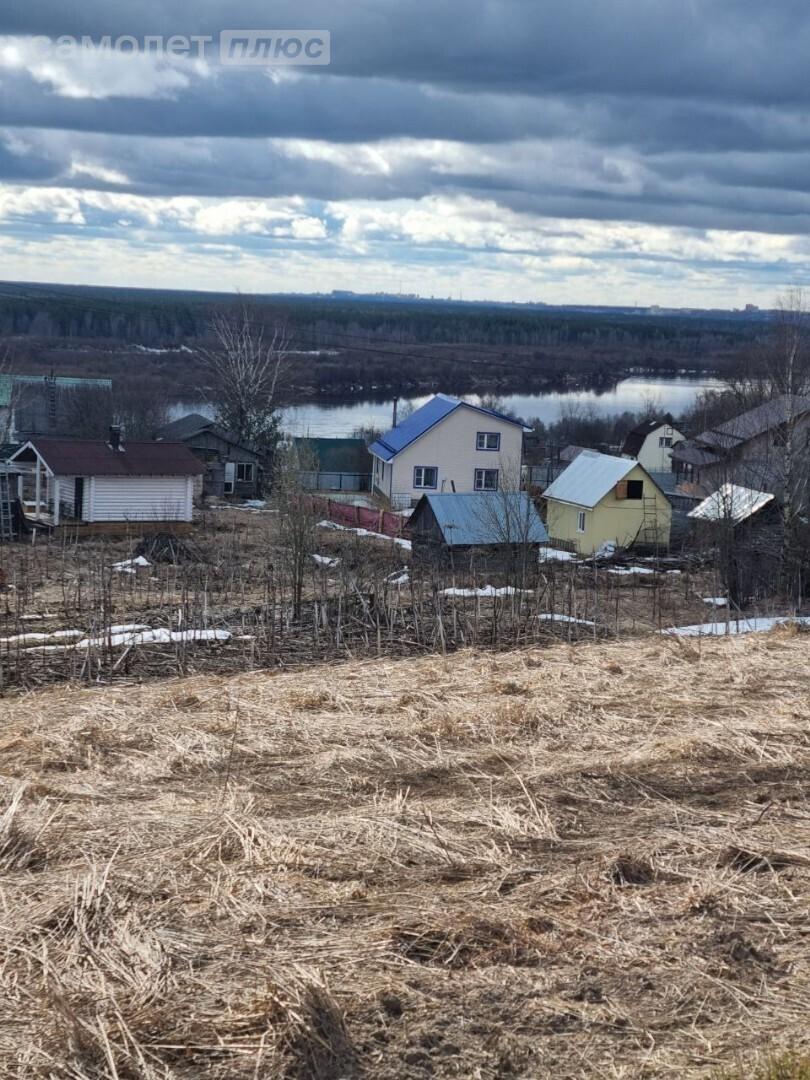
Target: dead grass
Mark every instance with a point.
(575, 861)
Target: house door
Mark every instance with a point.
(78, 497)
(230, 476)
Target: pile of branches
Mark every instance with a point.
(164, 547)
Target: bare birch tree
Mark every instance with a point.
(245, 367)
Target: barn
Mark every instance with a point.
(92, 482)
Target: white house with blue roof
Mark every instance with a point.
(447, 445)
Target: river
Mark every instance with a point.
(326, 418)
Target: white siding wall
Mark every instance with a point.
(141, 498)
(451, 447)
(655, 458)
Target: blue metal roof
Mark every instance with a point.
(426, 417)
(484, 517)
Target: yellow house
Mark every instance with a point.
(600, 499)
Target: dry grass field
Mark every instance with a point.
(574, 861)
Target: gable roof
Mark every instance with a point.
(472, 518)
(185, 427)
(93, 457)
(731, 502)
(431, 413)
(634, 439)
(749, 425)
(590, 477)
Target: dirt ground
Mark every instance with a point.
(575, 861)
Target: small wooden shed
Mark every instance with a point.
(94, 482)
(481, 520)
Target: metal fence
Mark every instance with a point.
(335, 481)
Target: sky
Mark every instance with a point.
(591, 151)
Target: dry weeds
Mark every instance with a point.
(571, 861)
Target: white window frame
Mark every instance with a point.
(483, 437)
(250, 467)
(581, 521)
(482, 474)
(420, 483)
(230, 477)
(664, 442)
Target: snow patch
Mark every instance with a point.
(552, 617)
(556, 555)
(128, 565)
(734, 626)
(486, 590)
(325, 560)
(624, 570)
(404, 544)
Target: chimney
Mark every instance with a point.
(115, 437)
(394, 424)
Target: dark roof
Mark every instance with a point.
(426, 417)
(688, 453)
(337, 455)
(468, 519)
(92, 457)
(634, 439)
(185, 427)
(749, 425)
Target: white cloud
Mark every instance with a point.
(78, 71)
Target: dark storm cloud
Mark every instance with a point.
(691, 113)
(734, 49)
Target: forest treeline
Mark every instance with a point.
(342, 346)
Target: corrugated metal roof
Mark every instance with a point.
(755, 422)
(731, 502)
(484, 517)
(68, 382)
(589, 477)
(426, 417)
(92, 457)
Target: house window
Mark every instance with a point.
(486, 479)
(425, 476)
(581, 521)
(664, 440)
(244, 472)
(488, 440)
(635, 489)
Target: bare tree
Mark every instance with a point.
(245, 367)
(140, 410)
(7, 410)
(776, 461)
(508, 516)
(296, 516)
